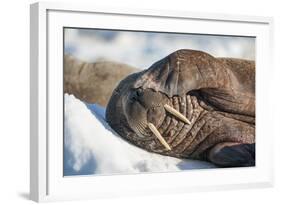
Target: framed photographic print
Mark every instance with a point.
(127, 102)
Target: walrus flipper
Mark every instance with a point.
(230, 100)
(230, 154)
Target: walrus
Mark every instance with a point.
(189, 105)
(85, 80)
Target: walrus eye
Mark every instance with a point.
(133, 97)
(139, 92)
(135, 94)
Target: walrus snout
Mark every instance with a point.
(142, 107)
(145, 110)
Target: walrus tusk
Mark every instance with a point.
(158, 135)
(176, 113)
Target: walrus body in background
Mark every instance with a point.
(189, 105)
(93, 82)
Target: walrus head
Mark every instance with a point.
(137, 113)
(140, 102)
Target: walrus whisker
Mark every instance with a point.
(176, 113)
(158, 135)
(142, 125)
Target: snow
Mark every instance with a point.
(148, 47)
(91, 147)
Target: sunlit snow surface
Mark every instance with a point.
(142, 49)
(91, 147)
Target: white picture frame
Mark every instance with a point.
(46, 53)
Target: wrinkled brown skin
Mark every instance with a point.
(216, 94)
